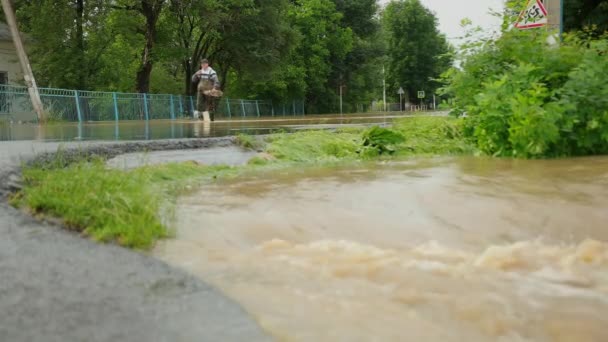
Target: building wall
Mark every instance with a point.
(9, 63)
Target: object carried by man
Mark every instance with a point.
(213, 92)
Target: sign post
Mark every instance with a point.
(384, 88)
(400, 92)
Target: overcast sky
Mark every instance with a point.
(451, 12)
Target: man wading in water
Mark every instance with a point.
(207, 91)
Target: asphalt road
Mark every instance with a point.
(57, 286)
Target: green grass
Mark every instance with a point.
(432, 136)
(247, 141)
(313, 146)
(128, 207)
(111, 205)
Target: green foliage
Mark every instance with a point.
(247, 141)
(418, 52)
(408, 136)
(432, 136)
(581, 14)
(381, 140)
(530, 99)
(321, 44)
(312, 146)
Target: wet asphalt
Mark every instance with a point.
(58, 286)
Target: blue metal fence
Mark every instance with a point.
(85, 106)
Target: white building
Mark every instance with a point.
(10, 69)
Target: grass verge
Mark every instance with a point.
(128, 207)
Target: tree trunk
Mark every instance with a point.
(151, 10)
(188, 71)
(82, 82)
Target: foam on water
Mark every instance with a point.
(470, 250)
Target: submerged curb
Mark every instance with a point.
(70, 152)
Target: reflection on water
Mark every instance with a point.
(170, 129)
(447, 250)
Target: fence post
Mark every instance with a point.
(294, 107)
(257, 107)
(272, 108)
(172, 109)
(228, 107)
(146, 107)
(243, 107)
(181, 106)
(115, 106)
(192, 104)
(78, 111)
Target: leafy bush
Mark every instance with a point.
(527, 98)
(381, 140)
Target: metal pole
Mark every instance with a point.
(257, 107)
(146, 108)
(192, 104)
(228, 106)
(181, 106)
(172, 107)
(28, 75)
(384, 87)
(400, 102)
(243, 107)
(271, 107)
(340, 99)
(561, 19)
(114, 97)
(78, 111)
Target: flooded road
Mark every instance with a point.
(182, 128)
(467, 249)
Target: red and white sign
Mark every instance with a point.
(535, 15)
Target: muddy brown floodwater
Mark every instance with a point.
(465, 249)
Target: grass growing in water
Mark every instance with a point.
(124, 206)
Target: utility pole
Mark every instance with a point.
(341, 94)
(28, 75)
(384, 88)
(340, 99)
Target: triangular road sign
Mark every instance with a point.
(535, 15)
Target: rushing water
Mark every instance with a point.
(464, 249)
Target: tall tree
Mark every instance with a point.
(240, 35)
(586, 13)
(151, 11)
(61, 32)
(359, 73)
(306, 73)
(418, 52)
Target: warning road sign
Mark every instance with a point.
(421, 94)
(535, 15)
